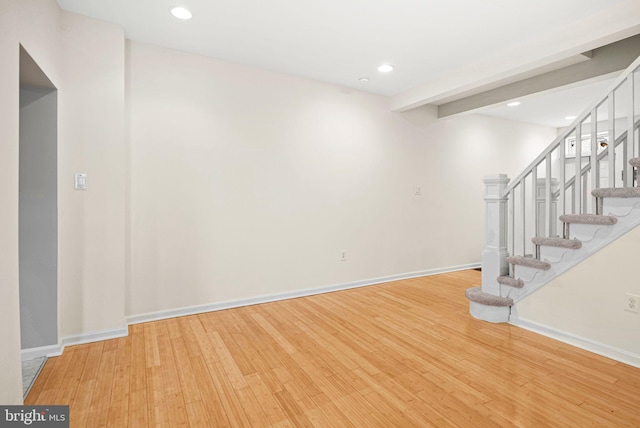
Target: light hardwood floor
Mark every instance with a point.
(400, 354)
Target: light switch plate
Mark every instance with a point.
(80, 182)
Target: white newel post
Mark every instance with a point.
(494, 255)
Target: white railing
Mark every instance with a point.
(559, 181)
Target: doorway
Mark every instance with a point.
(38, 216)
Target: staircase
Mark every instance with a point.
(578, 196)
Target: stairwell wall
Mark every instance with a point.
(585, 306)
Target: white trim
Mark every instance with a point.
(605, 350)
(95, 336)
(193, 310)
(79, 339)
(42, 351)
(56, 350)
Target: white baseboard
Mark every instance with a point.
(56, 350)
(605, 350)
(41, 351)
(95, 336)
(193, 310)
(79, 339)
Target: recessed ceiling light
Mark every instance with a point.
(364, 79)
(181, 13)
(514, 104)
(385, 68)
(570, 117)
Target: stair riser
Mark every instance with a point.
(620, 207)
(510, 284)
(516, 293)
(587, 232)
(527, 273)
(555, 254)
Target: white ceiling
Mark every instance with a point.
(437, 47)
(551, 108)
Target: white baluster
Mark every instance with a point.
(548, 216)
(595, 167)
(611, 149)
(577, 190)
(628, 176)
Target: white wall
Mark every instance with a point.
(248, 183)
(92, 141)
(34, 23)
(232, 182)
(587, 303)
(245, 182)
(84, 59)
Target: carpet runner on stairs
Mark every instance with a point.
(529, 262)
(572, 244)
(588, 219)
(621, 192)
(476, 294)
(510, 281)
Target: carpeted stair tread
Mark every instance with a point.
(529, 262)
(588, 219)
(635, 162)
(573, 244)
(477, 295)
(620, 192)
(510, 281)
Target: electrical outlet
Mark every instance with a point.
(343, 255)
(632, 303)
(417, 191)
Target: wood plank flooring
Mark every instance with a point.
(401, 354)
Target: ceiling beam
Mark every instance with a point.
(605, 60)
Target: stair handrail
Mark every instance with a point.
(600, 156)
(571, 128)
(557, 182)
